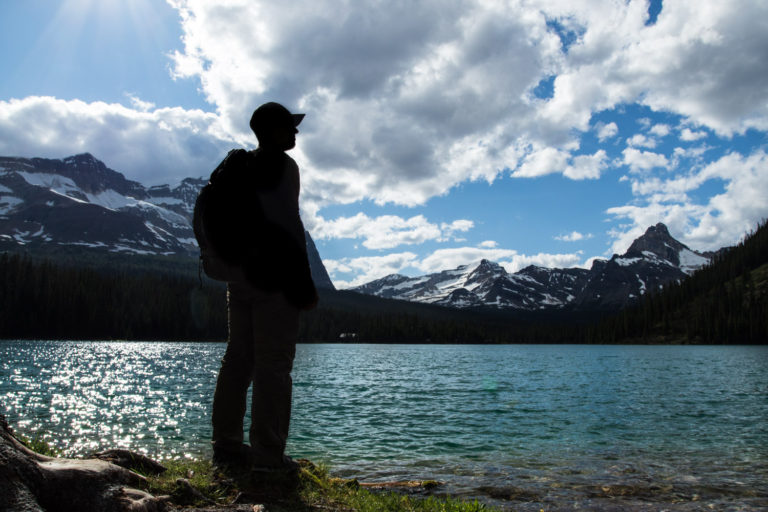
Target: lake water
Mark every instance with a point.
(523, 427)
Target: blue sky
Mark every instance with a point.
(438, 132)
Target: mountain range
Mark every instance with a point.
(653, 260)
(79, 202)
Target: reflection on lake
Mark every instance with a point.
(679, 428)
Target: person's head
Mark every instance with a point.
(275, 126)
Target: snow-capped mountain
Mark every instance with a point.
(79, 202)
(651, 261)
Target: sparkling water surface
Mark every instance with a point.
(523, 427)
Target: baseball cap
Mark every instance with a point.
(273, 114)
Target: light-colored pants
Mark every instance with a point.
(263, 329)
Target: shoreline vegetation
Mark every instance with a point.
(35, 476)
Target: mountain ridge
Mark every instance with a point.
(78, 201)
(653, 260)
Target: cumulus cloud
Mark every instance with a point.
(587, 166)
(700, 60)
(574, 236)
(388, 231)
(606, 131)
(152, 146)
(689, 135)
(660, 130)
(640, 140)
(541, 162)
(706, 225)
(413, 99)
(511, 260)
(520, 261)
(368, 268)
(545, 161)
(404, 96)
(643, 160)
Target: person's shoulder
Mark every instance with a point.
(291, 165)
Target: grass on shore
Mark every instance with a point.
(198, 484)
(311, 489)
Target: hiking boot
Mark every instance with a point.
(232, 457)
(287, 465)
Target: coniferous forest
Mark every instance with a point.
(105, 297)
(725, 302)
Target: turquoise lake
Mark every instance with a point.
(523, 427)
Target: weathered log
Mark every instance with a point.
(31, 482)
(131, 460)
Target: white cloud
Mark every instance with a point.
(403, 100)
(606, 131)
(661, 130)
(457, 226)
(139, 104)
(154, 146)
(387, 231)
(541, 162)
(689, 135)
(368, 268)
(700, 60)
(640, 140)
(587, 166)
(574, 236)
(643, 160)
(520, 261)
(511, 260)
(719, 221)
(488, 244)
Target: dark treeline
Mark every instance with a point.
(376, 320)
(138, 298)
(100, 298)
(725, 302)
(43, 300)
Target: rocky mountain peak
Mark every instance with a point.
(658, 241)
(84, 159)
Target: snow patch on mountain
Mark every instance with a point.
(52, 182)
(691, 261)
(9, 203)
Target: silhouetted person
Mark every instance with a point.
(264, 309)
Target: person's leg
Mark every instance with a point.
(276, 327)
(230, 397)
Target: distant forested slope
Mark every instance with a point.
(40, 299)
(725, 302)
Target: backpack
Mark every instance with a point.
(215, 221)
(266, 256)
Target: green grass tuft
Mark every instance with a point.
(313, 488)
(38, 445)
